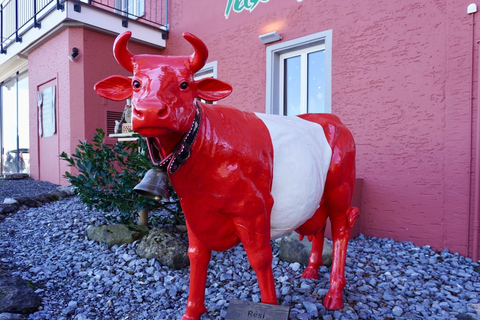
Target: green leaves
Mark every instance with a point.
(107, 175)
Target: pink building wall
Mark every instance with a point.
(99, 64)
(79, 110)
(401, 81)
(48, 65)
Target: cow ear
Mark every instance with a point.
(114, 88)
(211, 89)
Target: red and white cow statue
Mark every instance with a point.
(240, 176)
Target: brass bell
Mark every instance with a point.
(154, 185)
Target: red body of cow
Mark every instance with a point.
(225, 182)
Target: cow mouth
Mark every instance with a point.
(150, 131)
(154, 151)
(172, 162)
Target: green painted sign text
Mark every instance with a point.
(239, 5)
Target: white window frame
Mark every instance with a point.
(275, 55)
(303, 54)
(209, 70)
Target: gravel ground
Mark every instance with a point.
(80, 279)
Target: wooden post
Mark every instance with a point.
(143, 217)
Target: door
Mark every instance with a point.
(48, 145)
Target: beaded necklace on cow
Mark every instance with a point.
(172, 162)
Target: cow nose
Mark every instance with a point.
(142, 113)
(138, 113)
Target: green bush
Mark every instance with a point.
(107, 175)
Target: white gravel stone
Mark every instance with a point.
(10, 201)
(295, 266)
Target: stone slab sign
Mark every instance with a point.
(246, 310)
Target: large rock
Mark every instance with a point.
(17, 297)
(46, 197)
(116, 234)
(8, 208)
(16, 176)
(294, 250)
(65, 191)
(3, 271)
(165, 247)
(12, 316)
(29, 202)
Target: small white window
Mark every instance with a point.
(134, 8)
(299, 75)
(208, 71)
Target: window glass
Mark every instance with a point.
(316, 81)
(292, 89)
(135, 8)
(9, 125)
(23, 123)
(15, 125)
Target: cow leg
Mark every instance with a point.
(316, 227)
(259, 253)
(341, 234)
(199, 256)
(315, 258)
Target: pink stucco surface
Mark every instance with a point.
(45, 150)
(400, 81)
(79, 109)
(99, 64)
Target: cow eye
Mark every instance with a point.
(136, 84)
(184, 85)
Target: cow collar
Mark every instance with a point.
(172, 162)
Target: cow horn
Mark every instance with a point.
(120, 51)
(199, 57)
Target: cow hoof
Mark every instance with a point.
(194, 313)
(333, 301)
(310, 273)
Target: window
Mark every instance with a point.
(112, 118)
(14, 125)
(134, 8)
(299, 75)
(209, 70)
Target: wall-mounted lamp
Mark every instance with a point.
(74, 54)
(472, 8)
(270, 37)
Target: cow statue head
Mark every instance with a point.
(162, 88)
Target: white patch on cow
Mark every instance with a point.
(300, 164)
